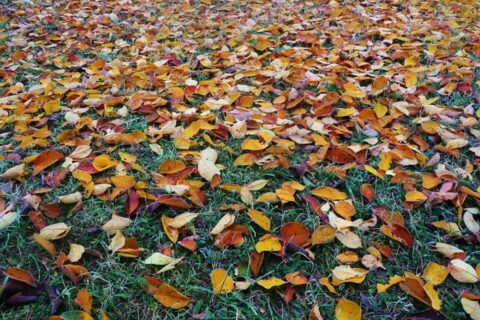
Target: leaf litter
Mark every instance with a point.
(385, 92)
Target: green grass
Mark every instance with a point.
(116, 283)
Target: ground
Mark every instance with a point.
(354, 96)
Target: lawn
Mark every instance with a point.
(224, 159)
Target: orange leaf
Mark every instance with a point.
(44, 160)
(296, 232)
(20, 275)
(172, 166)
(84, 300)
(296, 278)
(173, 201)
(169, 297)
(45, 244)
(256, 260)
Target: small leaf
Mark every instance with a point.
(347, 310)
(55, 231)
(270, 282)
(221, 282)
(462, 271)
(329, 193)
(260, 219)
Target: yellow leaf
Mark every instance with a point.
(379, 109)
(159, 259)
(374, 171)
(345, 273)
(270, 282)
(103, 162)
(192, 129)
(329, 193)
(171, 233)
(347, 310)
(296, 278)
(82, 176)
(345, 112)
(245, 159)
(323, 234)
(257, 185)
(285, 195)
(269, 197)
(381, 288)
(415, 196)
(127, 157)
(71, 198)
(8, 218)
(457, 143)
(410, 79)
(254, 145)
(435, 273)
(451, 227)
(433, 295)
(349, 239)
(45, 244)
(351, 90)
(429, 181)
(326, 283)
(448, 250)
(268, 243)
(221, 282)
(52, 106)
(182, 143)
(379, 85)
(123, 182)
(259, 218)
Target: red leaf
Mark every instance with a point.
(51, 210)
(37, 219)
(315, 207)
(132, 202)
(402, 233)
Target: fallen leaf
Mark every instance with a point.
(270, 282)
(45, 160)
(260, 219)
(462, 271)
(55, 231)
(221, 282)
(347, 310)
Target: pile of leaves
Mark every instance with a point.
(249, 159)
